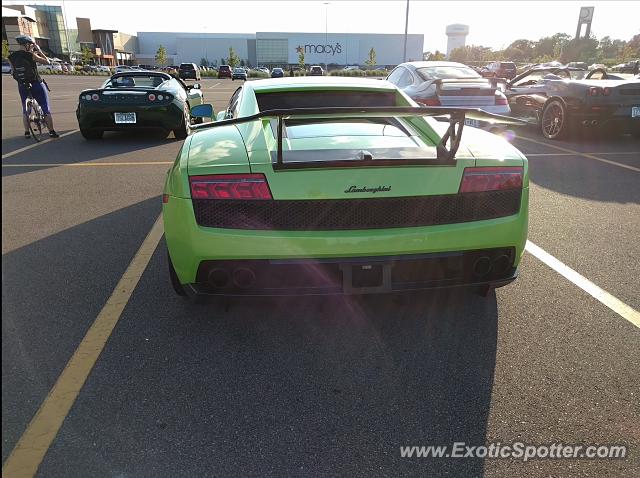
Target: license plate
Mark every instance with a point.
(635, 111)
(471, 122)
(125, 117)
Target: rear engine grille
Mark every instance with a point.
(353, 214)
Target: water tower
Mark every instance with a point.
(457, 36)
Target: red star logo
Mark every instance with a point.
(299, 49)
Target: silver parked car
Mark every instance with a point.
(445, 83)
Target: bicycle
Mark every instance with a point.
(35, 116)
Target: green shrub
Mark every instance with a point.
(75, 73)
(375, 73)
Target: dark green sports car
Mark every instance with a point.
(135, 100)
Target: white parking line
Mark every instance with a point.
(26, 148)
(635, 153)
(212, 86)
(623, 310)
(578, 153)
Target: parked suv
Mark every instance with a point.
(316, 71)
(188, 71)
(224, 71)
(500, 69)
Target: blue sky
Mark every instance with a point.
(492, 23)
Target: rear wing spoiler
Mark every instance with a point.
(446, 149)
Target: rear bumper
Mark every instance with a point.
(356, 275)
(152, 117)
(190, 244)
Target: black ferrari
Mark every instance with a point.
(561, 100)
(134, 100)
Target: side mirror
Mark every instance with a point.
(221, 115)
(204, 110)
(196, 86)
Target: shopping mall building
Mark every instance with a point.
(279, 49)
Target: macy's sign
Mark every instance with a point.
(322, 49)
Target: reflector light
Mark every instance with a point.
(87, 97)
(95, 97)
(230, 186)
(491, 179)
(501, 100)
(594, 91)
(152, 97)
(165, 198)
(160, 97)
(434, 101)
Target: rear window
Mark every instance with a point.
(224, 68)
(186, 66)
(239, 70)
(321, 99)
(508, 65)
(133, 81)
(447, 72)
(316, 68)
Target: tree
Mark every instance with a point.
(580, 49)
(471, 53)
(5, 49)
(233, 59)
(86, 55)
(631, 50)
(204, 62)
(301, 63)
(161, 56)
(371, 61)
(524, 49)
(223, 61)
(241, 62)
(435, 56)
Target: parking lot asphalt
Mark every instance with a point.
(309, 386)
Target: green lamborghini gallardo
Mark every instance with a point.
(342, 186)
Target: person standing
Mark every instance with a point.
(25, 71)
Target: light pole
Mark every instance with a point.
(406, 30)
(326, 33)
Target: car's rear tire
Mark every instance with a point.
(554, 121)
(183, 131)
(91, 134)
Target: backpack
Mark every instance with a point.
(24, 69)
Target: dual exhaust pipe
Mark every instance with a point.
(484, 265)
(244, 277)
(241, 277)
(589, 122)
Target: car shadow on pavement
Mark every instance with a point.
(52, 290)
(320, 386)
(75, 149)
(584, 177)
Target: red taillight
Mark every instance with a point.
(501, 100)
(95, 97)
(491, 179)
(433, 101)
(152, 97)
(606, 91)
(594, 91)
(165, 198)
(230, 186)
